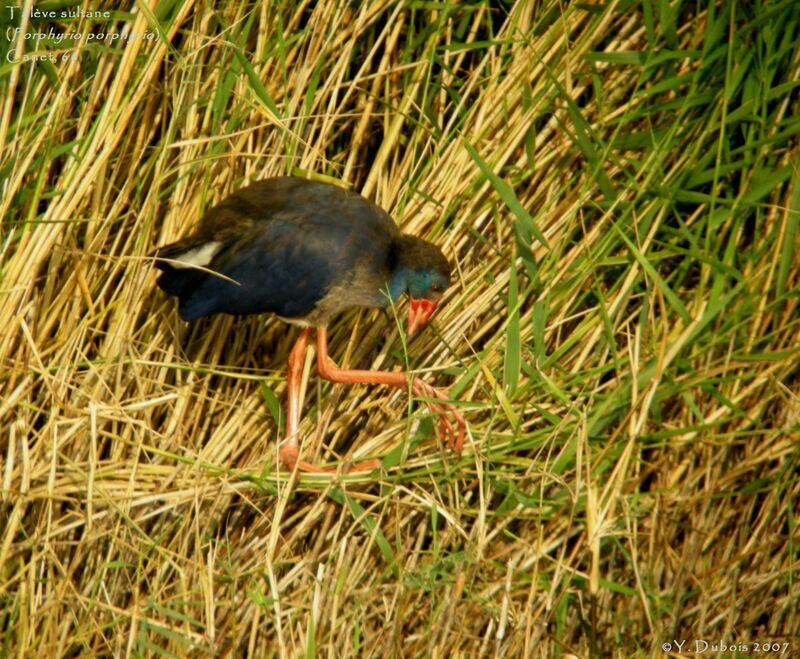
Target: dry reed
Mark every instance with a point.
(617, 184)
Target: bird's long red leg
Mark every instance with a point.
(330, 371)
(290, 449)
(289, 452)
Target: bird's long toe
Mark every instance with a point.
(453, 434)
(289, 456)
(366, 465)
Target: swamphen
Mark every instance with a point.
(306, 251)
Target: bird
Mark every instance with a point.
(306, 251)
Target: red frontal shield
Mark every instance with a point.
(419, 313)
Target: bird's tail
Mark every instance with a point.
(186, 275)
(181, 282)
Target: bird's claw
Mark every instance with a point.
(453, 435)
(289, 456)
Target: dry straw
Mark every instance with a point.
(617, 185)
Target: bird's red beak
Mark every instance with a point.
(419, 313)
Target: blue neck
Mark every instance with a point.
(398, 284)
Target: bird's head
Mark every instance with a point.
(425, 288)
(424, 273)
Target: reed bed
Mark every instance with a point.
(618, 187)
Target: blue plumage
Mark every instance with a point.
(301, 249)
(278, 268)
(306, 251)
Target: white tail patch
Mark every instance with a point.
(199, 256)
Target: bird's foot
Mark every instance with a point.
(366, 465)
(453, 434)
(289, 454)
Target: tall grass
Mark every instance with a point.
(618, 186)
